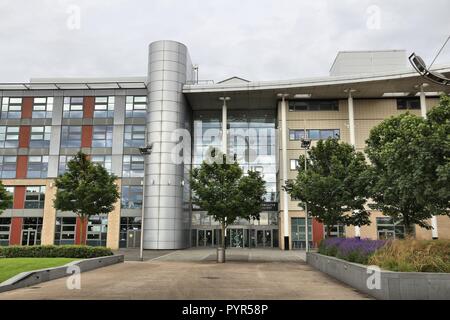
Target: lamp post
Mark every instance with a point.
(305, 144)
(145, 151)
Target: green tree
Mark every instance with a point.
(86, 189)
(334, 186)
(5, 198)
(410, 166)
(221, 189)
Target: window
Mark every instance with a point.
(34, 197)
(11, 108)
(42, 107)
(70, 136)
(10, 191)
(9, 137)
(5, 226)
(73, 107)
(104, 161)
(102, 136)
(31, 231)
(37, 167)
(104, 107)
(134, 136)
(298, 233)
(40, 136)
(8, 166)
(387, 228)
(408, 104)
(314, 105)
(136, 107)
(65, 229)
(63, 163)
(314, 134)
(133, 166)
(131, 197)
(336, 231)
(128, 226)
(97, 230)
(294, 164)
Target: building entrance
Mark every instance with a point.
(29, 237)
(236, 237)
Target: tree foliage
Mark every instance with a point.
(410, 166)
(221, 189)
(5, 198)
(86, 189)
(334, 185)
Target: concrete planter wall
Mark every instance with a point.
(31, 278)
(393, 285)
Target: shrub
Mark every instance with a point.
(50, 251)
(414, 256)
(350, 249)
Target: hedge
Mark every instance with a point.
(50, 251)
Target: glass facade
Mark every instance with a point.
(252, 139)
(298, 233)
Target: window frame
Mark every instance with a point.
(73, 110)
(34, 204)
(46, 112)
(6, 112)
(104, 109)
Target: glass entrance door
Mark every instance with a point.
(133, 238)
(29, 237)
(205, 238)
(264, 238)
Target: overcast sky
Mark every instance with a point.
(254, 39)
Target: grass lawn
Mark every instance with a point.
(10, 267)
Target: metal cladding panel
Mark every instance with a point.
(169, 66)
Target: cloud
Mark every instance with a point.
(258, 40)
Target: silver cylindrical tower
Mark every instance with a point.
(166, 222)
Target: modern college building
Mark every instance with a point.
(43, 123)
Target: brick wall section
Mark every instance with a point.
(27, 107)
(86, 136)
(21, 169)
(24, 136)
(88, 107)
(16, 231)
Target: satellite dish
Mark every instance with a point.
(420, 66)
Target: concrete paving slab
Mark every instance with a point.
(191, 274)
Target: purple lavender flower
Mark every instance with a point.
(351, 249)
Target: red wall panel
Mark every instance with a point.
(77, 231)
(24, 136)
(317, 232)
(27, 107)
(19, 197)
(86, 136)
(16, 231)
(88, 107)
(21, 169)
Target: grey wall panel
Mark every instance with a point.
(53, 162)
(57, 111)
(119, 110)
(116, 164)
(118, 132)
(164, 201)
(55, 140)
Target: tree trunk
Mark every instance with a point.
(223, 236)
(328, 231)
(81, 233)
(409, 228)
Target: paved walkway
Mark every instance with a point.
(194, 274)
